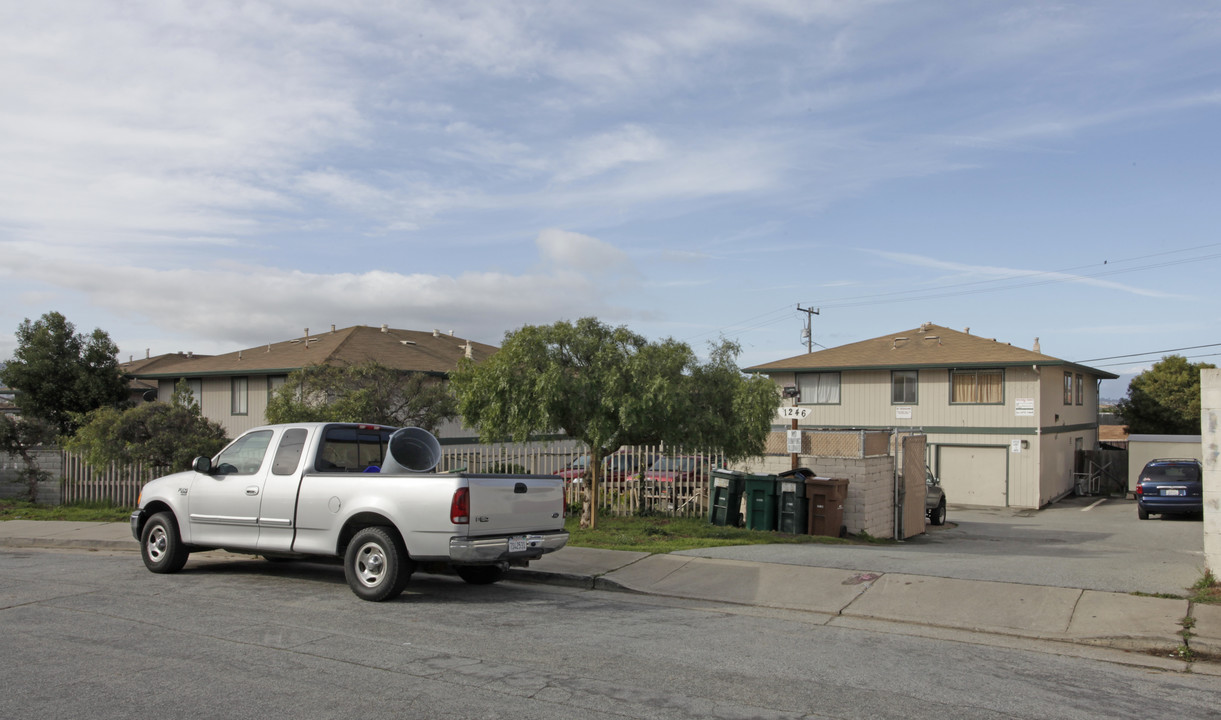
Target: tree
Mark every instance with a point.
(160, 434)
(19, 436)
(609, 387)
(1165, 399)
(59, 375)
(370, 393)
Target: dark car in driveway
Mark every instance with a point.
(934, 498)
(1170, 486)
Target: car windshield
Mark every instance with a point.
(619, 462)
(673, 464)
(1171, 473)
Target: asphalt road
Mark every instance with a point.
(1091, 543)
(95, 635)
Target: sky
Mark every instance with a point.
(208, 177)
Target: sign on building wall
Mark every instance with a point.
(1023, 407)
(903, 413)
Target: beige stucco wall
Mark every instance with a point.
(1143, 448)
(869, 506)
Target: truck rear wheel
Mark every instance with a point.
(161, 546)
(376, 564)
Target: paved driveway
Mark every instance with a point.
(1091, 543)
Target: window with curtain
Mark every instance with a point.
(1068, 388)
(984, 387)
(195, 385)
(903, 387)
(239, 395)
(1080, 391)
(818, 388)
(274, 382)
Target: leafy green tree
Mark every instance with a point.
(58, 375)
(608, 387)
(167, 435)
(19, 436)
(1165, 399)
(370, 393)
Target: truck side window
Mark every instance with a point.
(288, 455)
(245, 455)
(350, 449)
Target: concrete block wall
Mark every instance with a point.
(49, 460)
(869, 506)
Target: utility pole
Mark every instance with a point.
(809, 331)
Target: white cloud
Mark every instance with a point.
(1020, 277)
(244, 306)
(585, 254)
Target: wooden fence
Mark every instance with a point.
(626, 492)
(118, 485)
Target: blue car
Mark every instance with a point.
(1170, 486)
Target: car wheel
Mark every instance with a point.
(376, 564)
(480, 574)
(161, 546)
(1142, 513)
(938, 517)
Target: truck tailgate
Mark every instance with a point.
(507, 504)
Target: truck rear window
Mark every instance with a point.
(352, 449)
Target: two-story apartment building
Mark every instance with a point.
(233, 389)
(1003, 423)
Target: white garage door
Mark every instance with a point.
(974, 475)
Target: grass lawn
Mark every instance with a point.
(662, 535)
(83, 512)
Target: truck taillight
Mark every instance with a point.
(460, 507)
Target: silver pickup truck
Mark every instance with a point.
(368, 494)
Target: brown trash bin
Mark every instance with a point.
(825, 498)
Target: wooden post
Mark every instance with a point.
(793, 456)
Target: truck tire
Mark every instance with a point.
(161, 546)
(480, 574)
(376, 564)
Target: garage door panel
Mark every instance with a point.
(974, 475)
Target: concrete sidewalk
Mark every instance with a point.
(1143, 624)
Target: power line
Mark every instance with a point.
(1151, 352)
(1190, 357)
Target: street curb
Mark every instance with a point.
(70, 544)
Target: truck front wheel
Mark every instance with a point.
(376, 564)
(161, 546)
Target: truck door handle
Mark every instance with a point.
(252, 490)
(519, 489)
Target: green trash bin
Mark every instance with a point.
(725, 506)
(761, 501)
(793, 512)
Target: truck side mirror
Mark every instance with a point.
(202, 465)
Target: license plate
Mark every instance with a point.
(1171, 491)
(519, 544)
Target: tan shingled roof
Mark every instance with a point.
(926, 346)
(402, 349)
